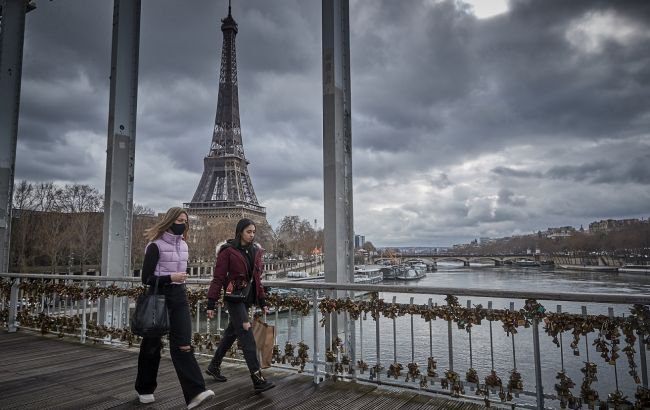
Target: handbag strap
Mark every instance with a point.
(155, 289)
(249, 280)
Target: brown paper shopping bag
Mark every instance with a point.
(264, 335)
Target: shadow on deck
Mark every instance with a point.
(38, 372)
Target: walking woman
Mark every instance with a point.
(165, 260)
(239, 266)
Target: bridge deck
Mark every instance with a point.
(43, 372)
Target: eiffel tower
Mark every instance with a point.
(225, 190)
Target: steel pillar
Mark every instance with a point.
(120, 154)
(337, 155)
(12, 34)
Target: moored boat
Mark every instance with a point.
(411, 273)
(368, 274)
(591, 268)
(525, 263)
(635, 269)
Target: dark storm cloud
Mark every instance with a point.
(509, 172)
(507, 80)
(554, 87)
(507, 197)
(63, 38)
(66, 61)
(461, 126)
(636, 170)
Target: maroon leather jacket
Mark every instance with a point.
(231, 266)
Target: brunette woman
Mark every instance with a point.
(239, 267)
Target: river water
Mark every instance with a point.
(518, 279)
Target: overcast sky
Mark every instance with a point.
(502, 119)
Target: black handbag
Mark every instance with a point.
(150, 318)
(237, 295)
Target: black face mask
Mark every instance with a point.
(178, 229)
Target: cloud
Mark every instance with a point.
(462, 126)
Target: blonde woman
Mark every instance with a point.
(165, 261)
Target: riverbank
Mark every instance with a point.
(636, 269)
(590, 268)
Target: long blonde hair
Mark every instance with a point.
(166, 222)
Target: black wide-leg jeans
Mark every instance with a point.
(180, 334)
(235, 330)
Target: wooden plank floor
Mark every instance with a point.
(44, 372)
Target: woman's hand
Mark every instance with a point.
(179, 277)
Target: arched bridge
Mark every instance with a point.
(466, 259)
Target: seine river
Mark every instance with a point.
(519, 279)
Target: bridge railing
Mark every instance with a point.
(487, 347)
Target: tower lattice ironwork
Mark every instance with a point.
(225, 189)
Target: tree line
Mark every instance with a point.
(58, 227)
(632, 241)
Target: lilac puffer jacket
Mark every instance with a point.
(173, 253)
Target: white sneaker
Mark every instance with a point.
(200, 398)
(146, 398)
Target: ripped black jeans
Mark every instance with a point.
(180, 334)
(235, 330)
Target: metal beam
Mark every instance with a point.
(120, 155)
(337, 144)
(12, 34)
(337, 154)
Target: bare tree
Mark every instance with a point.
(143, 218)
(47, 197)
(296, 236)
(22, 228)
(83, 204)
(369, 247)
(38, 228)
(53, 236)
(80, 198)
(205, 235)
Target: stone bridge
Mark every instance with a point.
(466, 259)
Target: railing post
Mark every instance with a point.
(360, 338)
(430, 331)
(584, 314)
(289, 326)
(539, 389)
(469, 334)
(610, 314)
(327, 320)
(412, 337)
(315, 359)
(644, 366)
(512, 338)
(559, 310)
(198, 316)
(13, 306)
(352, 340)
(394, 334)
(491, 338)
(378, 372)
(450, 342)
(84, 325)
